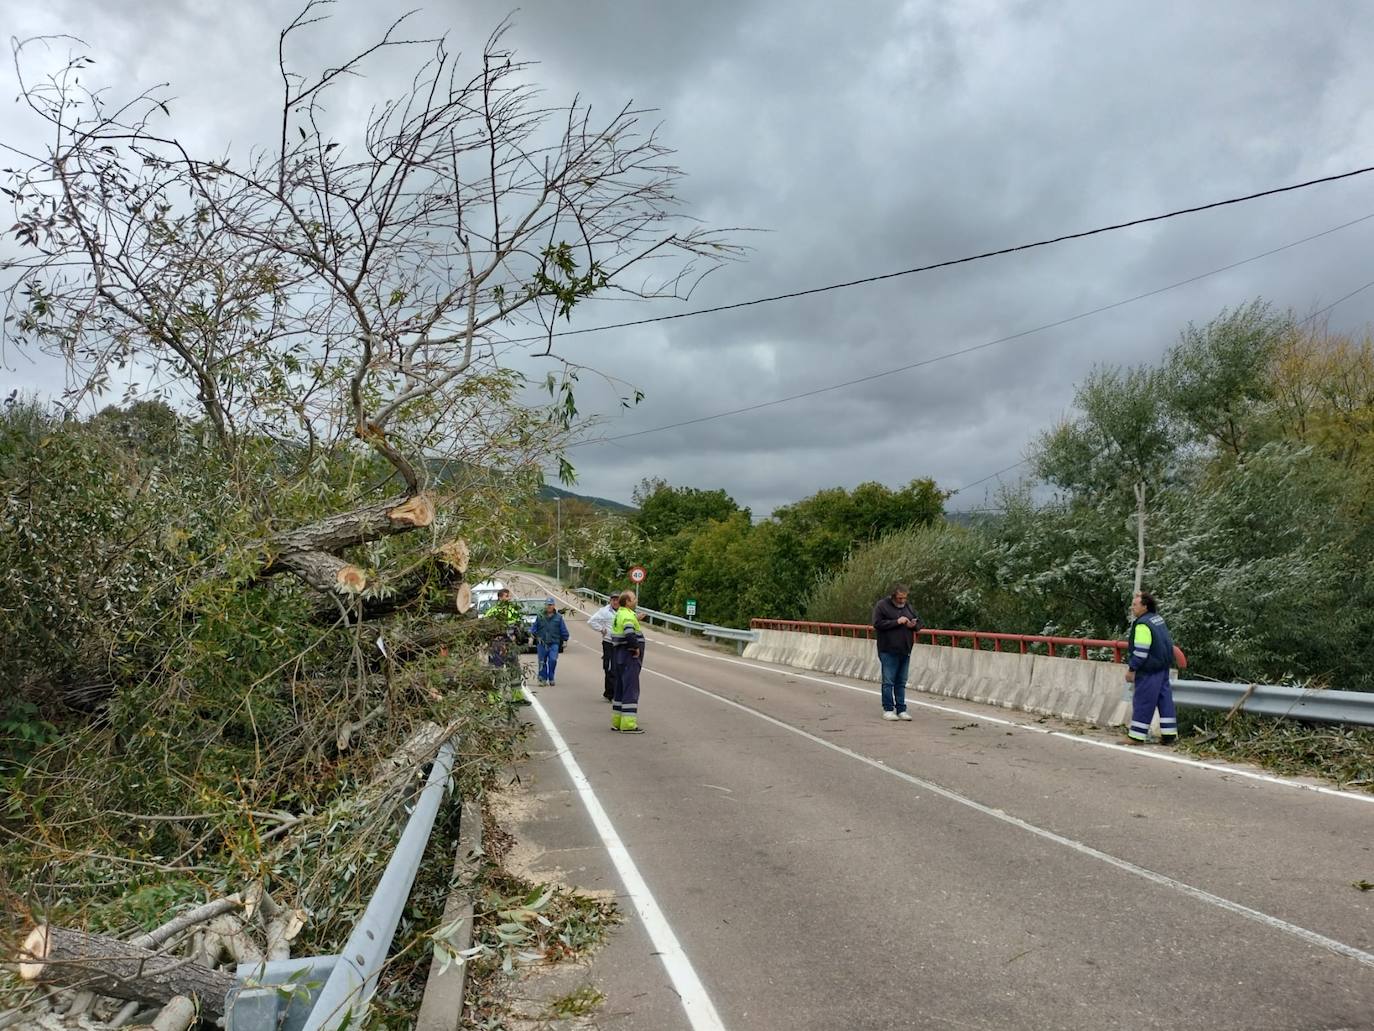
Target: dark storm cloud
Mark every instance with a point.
(870, 137)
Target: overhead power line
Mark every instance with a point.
(1306, 318)
(990, 476)
(992, 343)
(950, 262)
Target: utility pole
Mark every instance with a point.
(558, 542)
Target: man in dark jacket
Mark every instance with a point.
(550, 638)
(896, 624)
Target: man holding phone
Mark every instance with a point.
(896, 624)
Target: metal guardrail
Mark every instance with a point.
(1299, 703)
(720, 633)
(290, 995)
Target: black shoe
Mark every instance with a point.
(1168, 740)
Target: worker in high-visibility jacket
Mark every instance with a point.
(1150, 656)
(627, 641)
(504, 651)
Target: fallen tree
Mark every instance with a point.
(344, 293)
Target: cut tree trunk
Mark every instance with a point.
(360, 526)
(283, 928)
(324, 572)
(435, 584)
(108, 966)
(440, 635)
(311, 552)
(454, 554)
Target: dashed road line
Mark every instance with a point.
(1133, 751)
(1273, 922)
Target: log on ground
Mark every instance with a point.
(108, 966)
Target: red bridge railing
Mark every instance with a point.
(953, 638)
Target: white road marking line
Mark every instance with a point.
(701, 1012)
(1199, 764)
(1302, 933)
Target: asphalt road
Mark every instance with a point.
(821, 868)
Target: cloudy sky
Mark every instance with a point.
(874, 136)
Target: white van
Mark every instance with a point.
(484, 595)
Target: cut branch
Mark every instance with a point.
(281, 931)
(324, 572)
(177, 1015)
(360, 526)
(190, 918)
(434, 584)
(236, 940)
(119, 969)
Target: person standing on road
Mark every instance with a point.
(627, 638)
(601, 621)
(1152, 653)
(505, 652)
(508, 614)
(896, 624)
(550, 638)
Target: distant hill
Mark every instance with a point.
(549, 492)
(445, 470)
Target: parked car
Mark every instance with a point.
(531, 607)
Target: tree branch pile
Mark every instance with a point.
(181, 971)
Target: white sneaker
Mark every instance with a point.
(890, 716)
(904, 716)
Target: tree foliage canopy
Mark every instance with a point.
(1256, 434)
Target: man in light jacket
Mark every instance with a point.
(602, 621)
(895, 623)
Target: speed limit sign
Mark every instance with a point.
(637, 574)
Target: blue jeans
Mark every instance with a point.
(548, 660)
(895, 665)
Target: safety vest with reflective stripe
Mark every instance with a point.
(1152, 649)
(625, 626)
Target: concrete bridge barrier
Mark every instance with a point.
(1071, 689)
